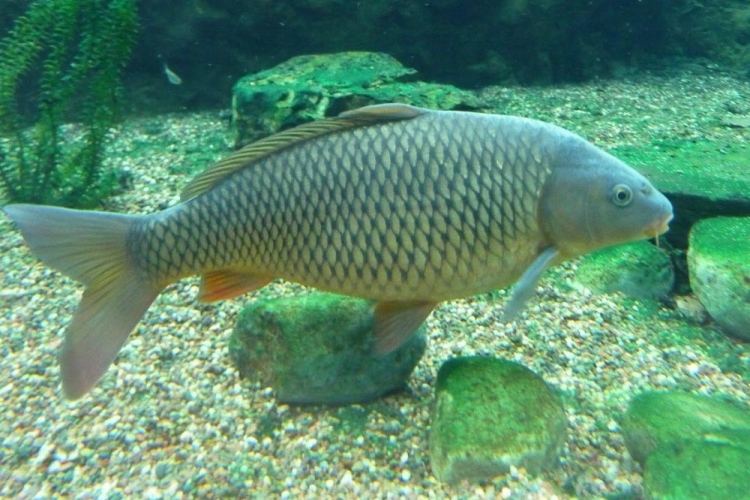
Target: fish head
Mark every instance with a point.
(593, 200)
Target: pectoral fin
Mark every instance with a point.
(395, 322)
(526, 284)
(220, 285)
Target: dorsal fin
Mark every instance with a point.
(356, 118)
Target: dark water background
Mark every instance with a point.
(211, 44)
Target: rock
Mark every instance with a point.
(658, 420)
(713, 467)
(702, 178)
(318, 348)
(719, 266)
(491, 414)
(736, 121)
(691, 309)
(307, 88)
(639, 270)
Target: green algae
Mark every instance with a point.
(639, 270)
(312, 87)
(723, 238)
(707, 169)
(719, 263)
(489, 414)
(318, 348)
(664, 419)
(712, 468)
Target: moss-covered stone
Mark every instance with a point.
(639, 270)
(318, 348)
(490, 414)
(719, 265)
(311, 87)
(664, 419)
(714, 467)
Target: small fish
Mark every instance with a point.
(405, 206)
(172, 77)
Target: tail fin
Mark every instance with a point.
(90, 247)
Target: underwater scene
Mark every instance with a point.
(375, 250)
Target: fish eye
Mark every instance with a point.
(622, 195)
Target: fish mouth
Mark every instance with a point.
(659, 227)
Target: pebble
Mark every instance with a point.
(161, 470)
(347, 479)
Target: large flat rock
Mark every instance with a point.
(311, 87)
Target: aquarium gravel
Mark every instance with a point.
(171, 419)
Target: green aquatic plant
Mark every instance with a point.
(69, 55)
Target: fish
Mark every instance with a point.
(172, 77)
(404, 206)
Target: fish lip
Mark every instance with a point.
(659, 227)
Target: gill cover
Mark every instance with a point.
(593, 200)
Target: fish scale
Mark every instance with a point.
(405, 206)
(350, 223)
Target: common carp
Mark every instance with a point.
(405, 206)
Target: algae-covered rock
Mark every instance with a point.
(719, 266)
(639, 270)
(311, 87)
(712, 468)
(663, 419)
(318, 348)
(490, 414)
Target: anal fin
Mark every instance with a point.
(225, 284)
(395, 322)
